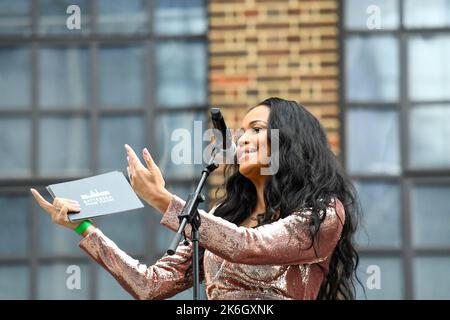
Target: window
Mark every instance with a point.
(396, 114)
(133, 73)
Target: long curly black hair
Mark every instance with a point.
(308, 173)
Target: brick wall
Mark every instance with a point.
(261, 48)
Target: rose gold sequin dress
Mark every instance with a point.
(272, 261)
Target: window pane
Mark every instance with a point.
(427, 14)
(64, 80)
(56, 240)
(431, 215)
(381, 214)
(127, 230)
(73, 134)
(372, 69)
(14, 282)
(179, 149)
(358, 13)
(56, 281)
(15, 77)
(15, 143)
(54, 18)
(122, 76)
(108, 288)
(390, 284)
(122, 16)
(429, 133)
(114, 133)
(373, 142)
(177, 17)
(429, 70)
(181, 73)
(431, 278)
(14, 223)
(15, 17)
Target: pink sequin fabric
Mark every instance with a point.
(273, 261)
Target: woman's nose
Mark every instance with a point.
(243, 140)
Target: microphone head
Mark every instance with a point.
(219, 123)
(216, 114)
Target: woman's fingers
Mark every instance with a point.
(148, 159)
(71, 205)
(44, 204)
(133, 159)
(129, 173)
(66, 208)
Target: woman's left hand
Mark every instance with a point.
(147, 181)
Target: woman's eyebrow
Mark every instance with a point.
(254, 121)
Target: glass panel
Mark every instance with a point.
(15, 17)
(14, 223)
(122, 76)
(54, 18)
(372, 69)
(429, 70)
(114, 133)
(122, 16)
(60, 281)
(64, 146)
(373, 142)
(108, 288)
(431, 278)
(427, 14)
(127, 230)
(359, 14)
(179, 148)
(56, 240)
(15, 161)
(389, 285)
(14, 282)
(431, 215)
(15, 77)
(429, 133)
(181, 73)
(64, 80)
(179, 17)
(380, 225)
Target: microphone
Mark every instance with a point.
(219, 124)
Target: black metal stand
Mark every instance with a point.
(190, 215)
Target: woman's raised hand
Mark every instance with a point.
(147, 181)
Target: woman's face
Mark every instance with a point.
(253, 150)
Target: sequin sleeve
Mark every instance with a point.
(284, 242)
(162, 280)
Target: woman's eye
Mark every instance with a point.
(256, 130)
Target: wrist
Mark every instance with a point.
(162, 200)
(88, 231)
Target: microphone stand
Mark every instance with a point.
(190, 215)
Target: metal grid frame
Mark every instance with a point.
(93, 112)
(408, 177)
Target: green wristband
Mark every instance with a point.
(82, 227)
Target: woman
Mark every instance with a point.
(288, 235)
